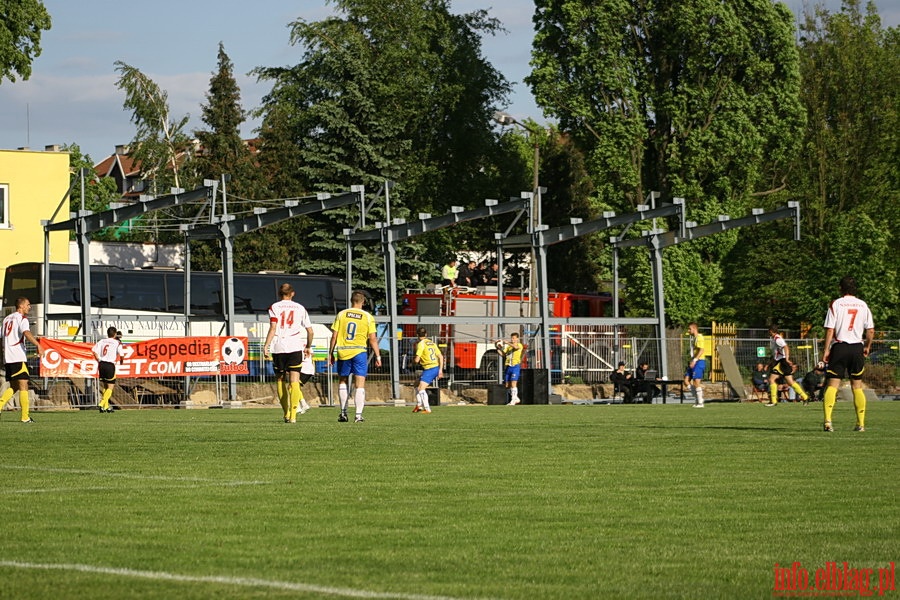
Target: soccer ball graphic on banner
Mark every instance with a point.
(233, 351)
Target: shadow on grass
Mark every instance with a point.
(723, 427)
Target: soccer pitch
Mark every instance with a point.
(623, 501)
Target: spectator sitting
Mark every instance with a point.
(814, 382)
(493, 275)
(478, 275)
(643, 387)
(760, 379)
(622, 382)
(449, 274)
(467, 275)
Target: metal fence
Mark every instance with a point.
(579, 355)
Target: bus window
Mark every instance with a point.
(139, 290)
(314, 294)
(175, 292)
(22, 282)
(99, 291)
(64, 287)
(254, 294)
(206, 294)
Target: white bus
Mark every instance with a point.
(154, 299)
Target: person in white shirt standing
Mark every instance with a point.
(849, 330)
(288, 320)
(108, 352)
(15, 331)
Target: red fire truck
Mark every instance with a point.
(473, 343)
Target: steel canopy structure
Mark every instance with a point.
(390, 234)
(656, 240)
(223, 227)
(544, 237)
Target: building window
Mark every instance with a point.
(4, 206)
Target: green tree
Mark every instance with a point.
(386, 91)
(847, 173)
(21, 24)
(695, 99)
(221, 148)
(845, 179)
(159, 142)
(576, 265)
(98, 191)
(222, 152)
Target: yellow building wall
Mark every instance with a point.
(36, 182)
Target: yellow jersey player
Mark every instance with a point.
(512, 352)
(352, 329)
(432, 360)
(693, 375)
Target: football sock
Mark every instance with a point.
(359, 400)
(829, 401)
(23, 400)
(773, 393)
(859, 403)
(425, 400)
(799, 389)
(295, 398)
(343, 396)
(283, 398)
(104, 401)
(6, 396)
(419, 398)
(513, 394)
(698, 392)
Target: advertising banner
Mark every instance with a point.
(162, 357)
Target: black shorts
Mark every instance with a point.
(287, 361)
(782, 368)
(107, 371)
(845, 359)
(17, 371)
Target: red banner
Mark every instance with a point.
(162, 357)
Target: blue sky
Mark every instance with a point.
(71, 96)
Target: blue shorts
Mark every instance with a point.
(512, 373)
(429, 375)
(697, 371)
(358, 365)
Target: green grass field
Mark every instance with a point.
(657, 501)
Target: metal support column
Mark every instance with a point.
(84, 258)
(227, 244)
(390, 270)
(543, 302)
(659, 302)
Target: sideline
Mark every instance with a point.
(232, 581)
